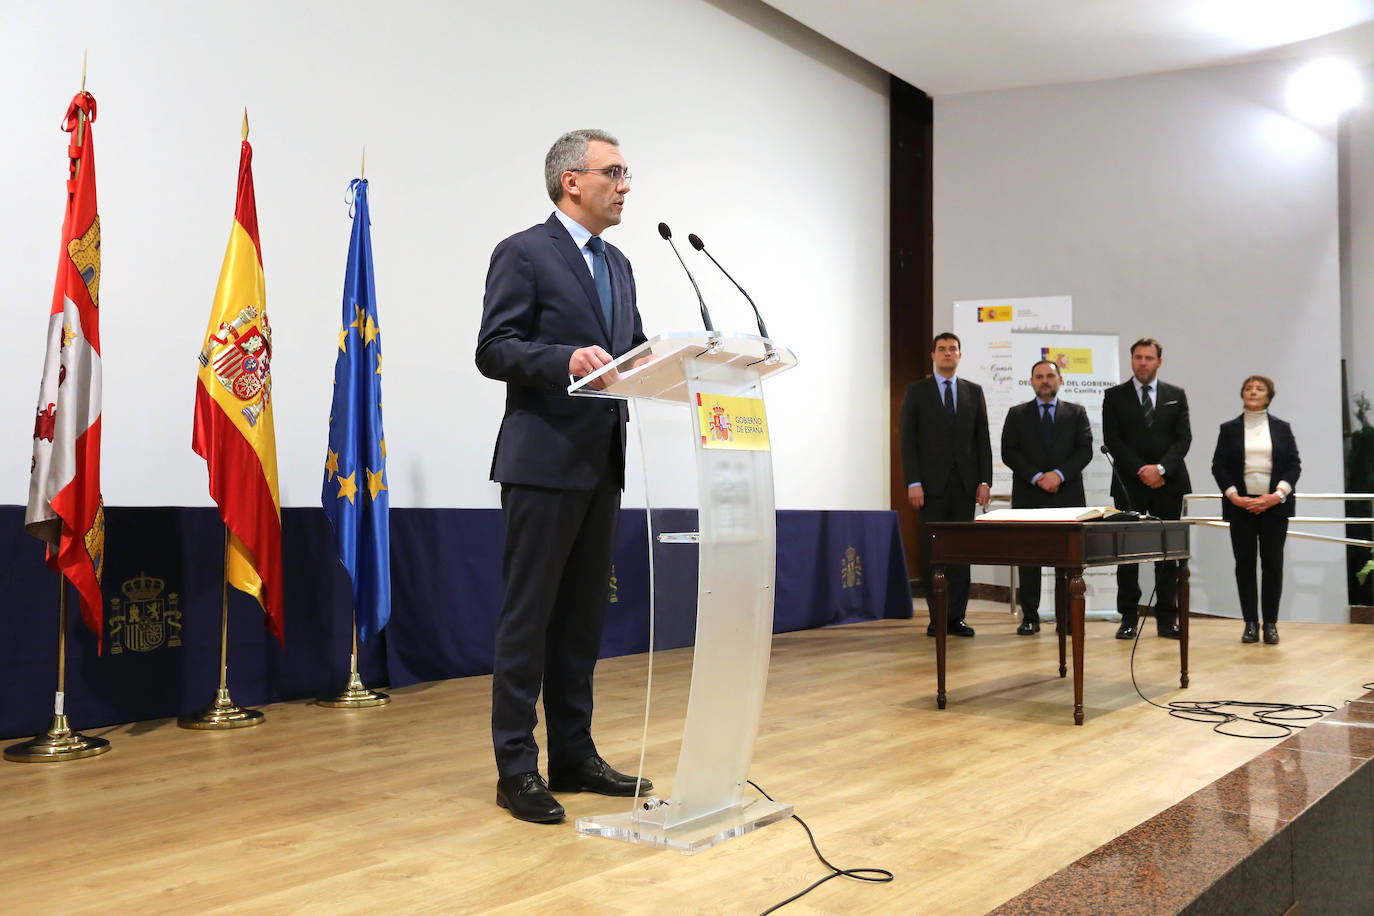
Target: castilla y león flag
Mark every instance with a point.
(233, 425)
(65, 508)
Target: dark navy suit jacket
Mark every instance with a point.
(1026, 452)
(540, 306)
(1228, 464)
(1134, 444)
(935, 449)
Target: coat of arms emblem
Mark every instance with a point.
(240, 356)
(145, 620)
(720, 424)
(851, 569)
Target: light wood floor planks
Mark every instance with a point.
(391, 809)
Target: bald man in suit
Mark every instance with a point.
(1047, 442)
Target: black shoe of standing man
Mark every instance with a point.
(528, 799)
(1029, 626)
(593, 774)
(955, 628)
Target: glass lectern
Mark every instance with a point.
(719, 379)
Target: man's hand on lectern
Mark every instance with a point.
(587, 360)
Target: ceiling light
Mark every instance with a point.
(1321, 90)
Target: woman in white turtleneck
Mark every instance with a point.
(1256, 465)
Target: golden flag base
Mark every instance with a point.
(57, 744)
(222, 714)
(354, 696)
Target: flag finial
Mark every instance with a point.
(362, 170)
(84, 53)
(245, 123)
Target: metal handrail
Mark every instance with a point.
(1215, 521)
(1301, 495)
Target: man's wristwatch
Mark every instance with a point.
(1283, 497)
(1160, 468)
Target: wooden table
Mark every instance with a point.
(1069, 547)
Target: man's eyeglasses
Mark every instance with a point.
(617, 173)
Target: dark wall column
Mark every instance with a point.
(911, 286)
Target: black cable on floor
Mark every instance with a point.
(872, 875)
(1283, 718)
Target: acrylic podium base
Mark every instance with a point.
(646, 827)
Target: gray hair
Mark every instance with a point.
(568, 154)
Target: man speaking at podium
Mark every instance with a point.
(559, 302)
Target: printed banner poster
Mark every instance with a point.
(985, 329)
(732, 423)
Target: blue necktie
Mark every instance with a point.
(949, 398)
(601, 276)
(1047, 424)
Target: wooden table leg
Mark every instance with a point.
(1061, 614)
(1183, 577)
(939, 604)
(1076, 608)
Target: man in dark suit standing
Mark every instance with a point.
(1047, 443)
(559, 302)
(947, 461)
(1145, 427)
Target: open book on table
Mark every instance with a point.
(1065, 514)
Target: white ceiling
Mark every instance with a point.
(950, 46)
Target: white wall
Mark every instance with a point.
(728, 113)
(1359, 340)
(1184, 206)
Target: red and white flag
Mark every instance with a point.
(65, 508)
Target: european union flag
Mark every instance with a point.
(355, 494)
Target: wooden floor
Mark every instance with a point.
(391, 809)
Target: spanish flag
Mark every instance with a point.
(233, 424)
(65, 508)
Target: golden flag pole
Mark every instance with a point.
(222, 713)
(59, 742)
(355, 695)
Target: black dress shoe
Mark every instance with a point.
(1029, 626)
(1251, 633)
(528, 798)
(1125, 631)
(595, 775)
(955, 628)
(1271, 634)
(1168, 630)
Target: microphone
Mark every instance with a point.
(770, 354)
(1130, 515)
(667, 234)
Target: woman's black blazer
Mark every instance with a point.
(1228, 463)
